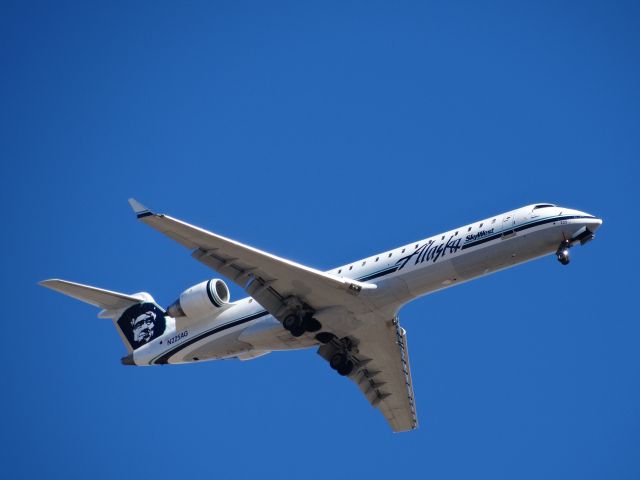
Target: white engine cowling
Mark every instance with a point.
(201, 300)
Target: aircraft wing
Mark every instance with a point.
(267, 278)
(381, 360)
(382, 371)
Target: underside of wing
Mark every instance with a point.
(374, 348)
(379, 365)
(278, 284)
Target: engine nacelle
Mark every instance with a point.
(201, 300)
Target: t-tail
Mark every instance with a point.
(137, 318)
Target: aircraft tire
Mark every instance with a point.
(291, 322)
(346, 368)
(563, 256)
(297, 331)
(337, 360)
(311, 324)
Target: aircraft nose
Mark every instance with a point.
(596, 222)
(592, 223)
(588, 225)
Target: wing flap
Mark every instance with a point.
(266, 277)
(383, 373)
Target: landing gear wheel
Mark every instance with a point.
(325, 337)
(563, 256)
(297, 331)
(563, 252)
(346, 368)
(294, 324)
(337, 360)
(290, 322)
(310, 324)
(298, 325)
(341, 363)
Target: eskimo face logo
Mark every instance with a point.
(142, 323)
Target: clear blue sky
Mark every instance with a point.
(322, 132)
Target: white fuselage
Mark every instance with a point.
(245, 330)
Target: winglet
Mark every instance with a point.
(139, 209)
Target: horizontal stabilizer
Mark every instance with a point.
(98, 297)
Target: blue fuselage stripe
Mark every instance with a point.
(520, 228)
(165, 356)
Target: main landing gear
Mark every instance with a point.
(563, 252)
(340, 363)
(338, 352)
(299, 324)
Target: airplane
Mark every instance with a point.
(349, 313)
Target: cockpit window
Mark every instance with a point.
(543, 205)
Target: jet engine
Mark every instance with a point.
(201, 300)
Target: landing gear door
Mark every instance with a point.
(508, 225)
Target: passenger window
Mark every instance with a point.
(377, 258)
(455, 234)
(442, 237)
(364, 263)
(351, 267)
(417, 245)
(469, 229)
(340, 271)
(390, 255)
(493, 221)
(403, 250)
(481, 225)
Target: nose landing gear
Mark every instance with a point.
(563, 252)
